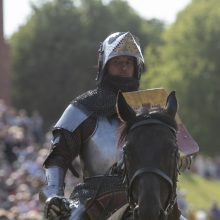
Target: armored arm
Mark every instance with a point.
(56, 164)
(68, 134)
(64, 148)
(67, 137)
(55, 183)
(52, 195)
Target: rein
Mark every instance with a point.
(172, 196)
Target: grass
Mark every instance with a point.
(200, 193)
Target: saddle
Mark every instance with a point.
(101, 195)
(119, 213)
(104, 206)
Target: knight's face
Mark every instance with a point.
(122, 66)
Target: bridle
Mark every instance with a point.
(164, 212)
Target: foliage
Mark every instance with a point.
(54, 53)
(187, 60)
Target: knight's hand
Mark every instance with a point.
(57, 207)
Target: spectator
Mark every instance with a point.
(4, 215)
(37, 127)
(191, 214)
(214, 213)
(21, 174)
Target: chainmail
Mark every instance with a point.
(119, 83)
(96, 186)
(99, 101)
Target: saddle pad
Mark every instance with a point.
(119, 213)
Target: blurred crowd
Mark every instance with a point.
(22, 151)
(23, 148)
(212, 214)
(207, 167)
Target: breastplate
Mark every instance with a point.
(101, 151)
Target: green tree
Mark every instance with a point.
(42, 73)
(54, 53)
(187, 60)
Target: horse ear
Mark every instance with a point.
(124, 111)
(171, 104)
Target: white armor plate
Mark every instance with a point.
(100, 151)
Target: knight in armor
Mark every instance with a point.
(88, 129)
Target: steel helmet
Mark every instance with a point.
(120, 44)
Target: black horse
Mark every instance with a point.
(150, 160)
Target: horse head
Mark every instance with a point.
(150, 159)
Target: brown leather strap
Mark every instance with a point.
(111, 201)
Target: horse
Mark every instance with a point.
(149, 164)
(150, 161)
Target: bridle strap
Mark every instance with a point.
(151, 121)
(158, 172)
(171, 200)
(151, 170)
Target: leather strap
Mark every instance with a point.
(109, 202)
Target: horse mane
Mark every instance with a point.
(163, 116)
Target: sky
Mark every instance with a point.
(16, 12)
